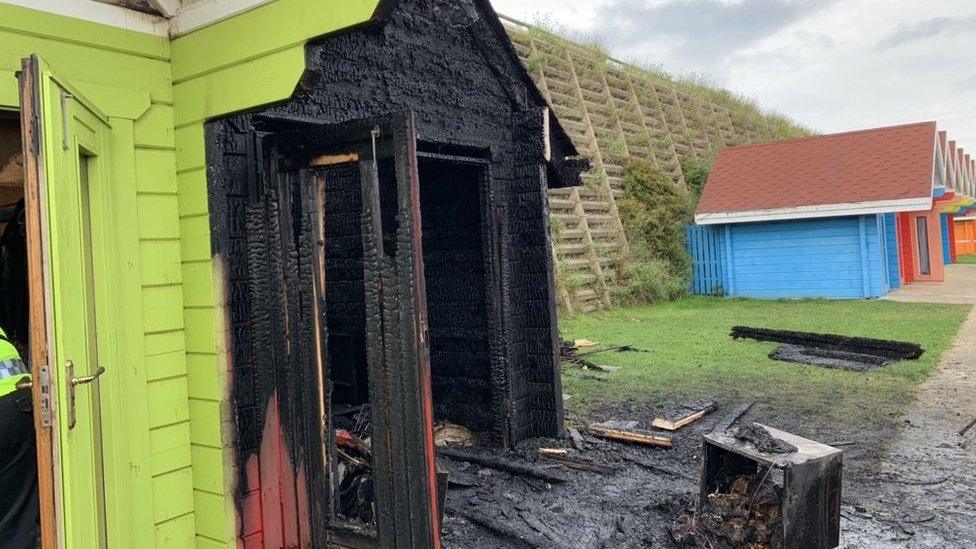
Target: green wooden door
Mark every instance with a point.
(72, 154)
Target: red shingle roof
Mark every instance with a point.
(874, 165)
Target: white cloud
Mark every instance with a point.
(832, 65)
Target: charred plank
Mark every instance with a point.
(895, 350)
(501, 463)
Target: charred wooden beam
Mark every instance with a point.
(896, 350)
(502, 464)
(733, 416)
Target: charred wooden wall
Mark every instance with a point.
(445, 61)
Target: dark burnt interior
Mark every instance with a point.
(452, 209)
(452, 212)
(454, 247)
(13, 244)
(344, 291)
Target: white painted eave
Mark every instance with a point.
(177, 19)
(816, 212)
(97, 12)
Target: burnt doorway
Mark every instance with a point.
(457, 222)
(348, 331)
(361, 216)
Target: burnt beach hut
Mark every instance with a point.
(270, 244)
(382, 242)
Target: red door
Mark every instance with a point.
(905, 247)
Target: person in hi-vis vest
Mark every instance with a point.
(19, 506)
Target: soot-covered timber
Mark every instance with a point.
(293, 263)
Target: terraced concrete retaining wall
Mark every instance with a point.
(615, 112)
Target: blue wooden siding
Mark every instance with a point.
(839, 258)
(706, 245)
(946, 250)
(892, 258)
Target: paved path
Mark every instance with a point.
(925, 492)
(959, 287)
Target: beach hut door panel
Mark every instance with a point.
(351, 191)
(68, 188)
(924, 259)
(926, 246)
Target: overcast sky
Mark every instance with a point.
(833, 65)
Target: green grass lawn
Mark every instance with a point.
(691, 355)
(966, 259)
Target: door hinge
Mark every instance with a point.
(65, 120)
(44, 392)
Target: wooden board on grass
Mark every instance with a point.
(685, 414)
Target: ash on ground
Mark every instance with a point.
(630, 506)
(638, 504)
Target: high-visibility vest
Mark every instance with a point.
(9, 357)
(7, 349)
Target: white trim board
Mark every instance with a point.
(207, 12)
(819, 211)
(967, 218)
(97, 12)
(167, 8)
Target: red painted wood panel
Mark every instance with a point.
(952, 238)
(250, 519)
(270, 480)
(905, 248)
(254, 541)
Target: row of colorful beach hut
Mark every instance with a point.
(849, 215)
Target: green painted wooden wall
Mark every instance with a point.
(159, 94)
(128, 76)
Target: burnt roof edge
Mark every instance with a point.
(566, 164)
(566, 159)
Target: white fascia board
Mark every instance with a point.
(97, 12)
(207, 12)
(938, 165)
(819, 211)
(967, 218)
(167, 8)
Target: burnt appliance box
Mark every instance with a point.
(809, 479)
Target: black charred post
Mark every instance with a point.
(889, 349)
(300, 302)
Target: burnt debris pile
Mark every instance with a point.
(745, 514)
(356, 498)
(620, 483)
(831, 350)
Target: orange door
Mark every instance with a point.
(965, 236)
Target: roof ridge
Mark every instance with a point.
(828, 136)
